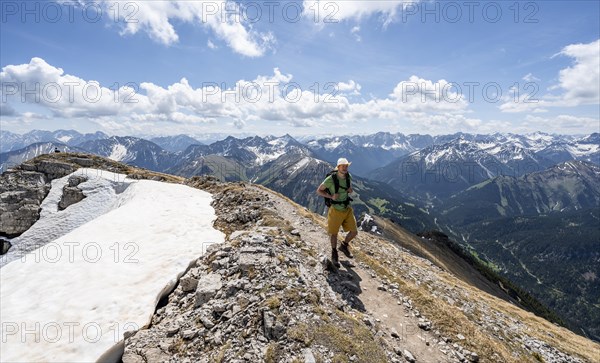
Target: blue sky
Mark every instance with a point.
(305, 67)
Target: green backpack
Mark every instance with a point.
(337, 186)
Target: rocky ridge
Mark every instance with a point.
(268, 294)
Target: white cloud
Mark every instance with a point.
(211, 45)
(222, 17)
(356, 32)
(422, 95)
(581, 82)
(567, 124)
(323, 12)
(578, 84)
(274, 98)
(529, 77)
(350, 87)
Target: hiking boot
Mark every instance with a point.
(335, 259)
(345, 248)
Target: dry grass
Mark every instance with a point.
(450, 320)
(98, 162)
(345, 337)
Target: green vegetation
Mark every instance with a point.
(526, 299)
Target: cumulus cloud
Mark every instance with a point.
(157, 18)
(578, 84)
(268, 98)
(423, 95)
(581, 82)
(323, 12)
(562, 123)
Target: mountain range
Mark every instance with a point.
(524, 205)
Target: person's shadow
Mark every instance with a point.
(346, 282)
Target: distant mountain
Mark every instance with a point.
(370, 151)
(541, 230)
(249, 154)
(132, 150)
(16, 157)
(554, 256)
(175, 143)
(569, 186)
(439, 171)
(11, 141)
(297, 176)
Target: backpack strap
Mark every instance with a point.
(336, 182)
(337, 186)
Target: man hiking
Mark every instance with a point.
(336, 187)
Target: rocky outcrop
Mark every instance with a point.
(52, 169)
(21, 193)
(71, 193)
(260, 296)
(367, 223)
(268, 295)
(4, 246)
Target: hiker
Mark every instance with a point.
(336, 189)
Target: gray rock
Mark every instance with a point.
(273, 330)
(189, 334)
(21, 194)
(473, 357)
(71, 195)
(408, 356)
(207, 288)
(4, 246)
(309, 357)
(188, 284)
(172, 330)
(252, 257)
(208, 324)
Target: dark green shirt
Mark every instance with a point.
(342, 192)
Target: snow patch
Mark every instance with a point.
(118, 152)
(104, 277)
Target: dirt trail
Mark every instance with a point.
(398, 324)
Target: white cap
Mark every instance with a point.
(343, 161)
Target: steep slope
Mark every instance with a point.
(132, 150)
(368, 152)
(540, 230)
(266, 294)
(440, 170)
(569, 186)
